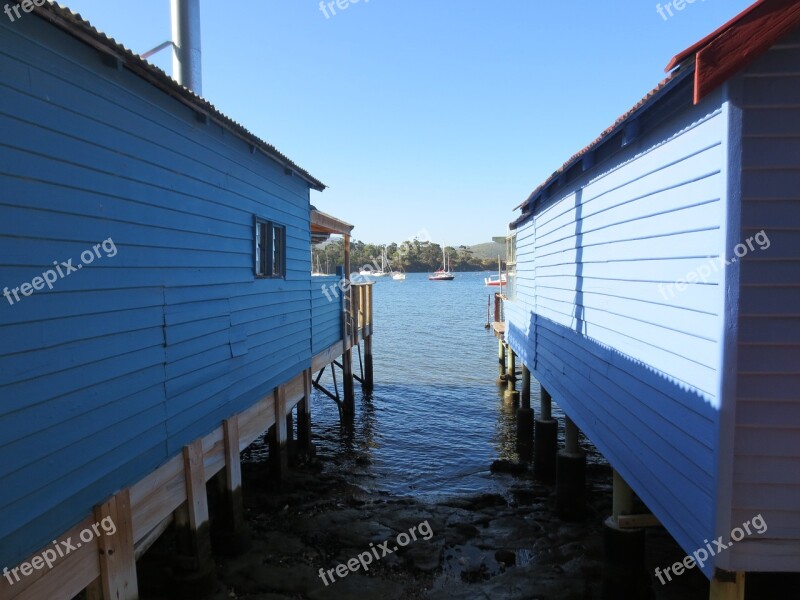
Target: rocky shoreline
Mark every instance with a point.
(490, 546)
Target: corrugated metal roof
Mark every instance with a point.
(76, 25)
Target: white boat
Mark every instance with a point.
(317, 272)
(496, 280)
(444, 273)
(383, 272)
(398, 275)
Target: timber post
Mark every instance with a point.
(196, 573)
(304, 446)
(229, 532)
(278, 451)
(118, 579)
(369, 381)
(727, 585)
(348, 324)
(545, 448)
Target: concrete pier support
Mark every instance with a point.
(525, 419)
(625, 575)
(501, 360)
(571, 476)
(545, 449)
(727, 585)
(511, 378)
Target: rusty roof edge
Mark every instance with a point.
(653, 97)
(74, 24)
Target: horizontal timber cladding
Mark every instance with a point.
(598, 319)
(112, 371)
(766, 466)
(326, 313)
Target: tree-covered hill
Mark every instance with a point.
(414, 256)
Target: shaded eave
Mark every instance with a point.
(324, 223)
(115, 54)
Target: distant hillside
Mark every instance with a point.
(488, 251)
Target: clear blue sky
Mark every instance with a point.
(420, 114)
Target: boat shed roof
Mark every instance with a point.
(122, 57)
(712, 60)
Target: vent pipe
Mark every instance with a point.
(186, 54)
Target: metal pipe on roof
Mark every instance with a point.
(187, 56)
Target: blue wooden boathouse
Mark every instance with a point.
(158, 311)
(656, 292)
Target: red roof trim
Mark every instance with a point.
(737, 43)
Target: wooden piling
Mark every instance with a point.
(511, 377)
(195, 574)
(117, 579)
(525, 419)
(278, 452)
(571, 476)
(727, 585)
(369, 381)
(349, 322)
(545, 449)
(304, 446)
(501, 359)
(624, 572)
(229, 533)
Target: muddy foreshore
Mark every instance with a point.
(499, 547)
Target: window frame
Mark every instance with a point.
(269, 260)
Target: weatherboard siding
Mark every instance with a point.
(127, 360)
(636, 369)
(766, 469)
(326, 313)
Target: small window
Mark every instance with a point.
(270, 249)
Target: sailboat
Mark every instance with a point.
(399, 275)
(317, 272)
(383, 270)
(444, 273)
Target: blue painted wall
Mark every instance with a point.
(635, 362)
(326, 312)
(766, 449)
(127, 360)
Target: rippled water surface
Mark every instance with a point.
(437, 419)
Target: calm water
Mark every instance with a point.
(437, 419)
